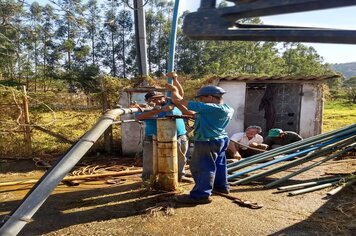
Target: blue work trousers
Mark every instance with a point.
(208, 167)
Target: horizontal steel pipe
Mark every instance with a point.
(339, 188)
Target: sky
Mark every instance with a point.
(340, 18)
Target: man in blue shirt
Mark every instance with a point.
(150, 119)
(208, 162)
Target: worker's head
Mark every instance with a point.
(274, 133)
(210, 94)
(155, 97)
(252, 130)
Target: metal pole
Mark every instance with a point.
(339, 188)
(40, 192)
(284, 158)
(308, 184)
(172, 44)
(311, 166)
(167, 161)
(292, 147)
(140, 30)
(313, 188)
(295, 162)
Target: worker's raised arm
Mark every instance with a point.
(177, 99)
(176, 83)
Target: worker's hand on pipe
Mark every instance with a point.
(172, 74)
(254, 144)
(237, 156)
(171, 87)
(167, 108)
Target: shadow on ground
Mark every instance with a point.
(62, 210)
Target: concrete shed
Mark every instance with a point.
(293, 103)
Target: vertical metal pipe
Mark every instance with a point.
(207, 3)
(172, 44)
(140, 31)
(167, 161)
(40, 192)
(154, 156)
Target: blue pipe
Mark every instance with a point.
(293, 146)
(172, 44)
(286, 157)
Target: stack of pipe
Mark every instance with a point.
(337, 142)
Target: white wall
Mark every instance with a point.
(235, 97)
(131, 133)
(311, 110)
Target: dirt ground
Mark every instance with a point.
(127, 207)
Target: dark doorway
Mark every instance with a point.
(274, 105)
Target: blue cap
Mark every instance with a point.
(210, 90)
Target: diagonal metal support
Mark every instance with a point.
(210, 23)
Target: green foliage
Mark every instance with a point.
(337, 114)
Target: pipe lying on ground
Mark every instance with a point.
(291, 147)
(299, 161)
(13, 224)
(342, 186)
(288, 157)
(307, 190)
(79, 177)
(308, 184)
(346, 150)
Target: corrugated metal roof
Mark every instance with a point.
(294, 78)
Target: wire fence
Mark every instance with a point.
(37, 124)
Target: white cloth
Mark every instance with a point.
(242, 138)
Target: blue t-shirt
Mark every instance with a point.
(210, 120)
(151, 124)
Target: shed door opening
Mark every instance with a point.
(273, 106)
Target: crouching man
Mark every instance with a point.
(245, 144)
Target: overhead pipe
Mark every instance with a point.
(293, 155)
(287, 148)
(346, 150)
(294, 163)
(295, 148)
(14, 222)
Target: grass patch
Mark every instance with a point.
(337, 114)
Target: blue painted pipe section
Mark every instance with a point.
(286, 157)
(294, 146)
(172, 43)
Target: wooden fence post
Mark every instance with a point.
(108, 135)
(27, 128)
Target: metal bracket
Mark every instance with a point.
(210, 23)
